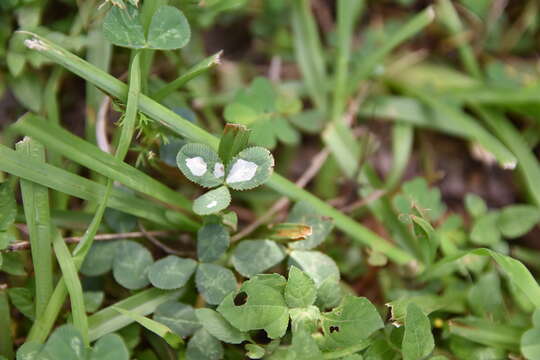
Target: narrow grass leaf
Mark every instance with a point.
(157, 328)
(73, 284)
(309, 54)
(193, 72)
(38, 220)
(108, 320)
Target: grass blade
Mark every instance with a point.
(476, 131)
(449, 17)
(348, 12)
(90, 156)
(309, 54)
(74, 185)
(143, 303)
(38, 220)
(157, 328)
(183, 127)
(402, 144)
(528, 165)
(73, 285)
(198, 69)
(411, 28)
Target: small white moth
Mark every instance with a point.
(241, 170)
(196, 165)
(219, 170)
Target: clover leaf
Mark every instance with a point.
(212, 201)
(168, 28)
(200, 164)
(256, 306)
(266, 113)
(246, 168)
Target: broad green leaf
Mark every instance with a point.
(249, 169)
(254, 351)
(131, 335)
(418, 340)
(517, 220)
(171, 272)
(124, 28)
(355, 319)
(177, 316)
(156, 327)
(380, 350)
(303, 213)
(131, 264)
(300, 290)
(214, 282)
(99, 259)
(65, 343)
(218, 327)
(169, 29)
(274, 280)
(200, 164)
(30, 351)
(120, 221)
(212, 201)
(419, 199)
(256, 306)
(23, 300)
(212, 241)
(235, 138)
(486, 299)
(475, 205)
(530, 343)
(8, 206)
(485, 230)
(203, 346)
(237, 113)
(329, 293)
(304, 345)
(93, 300)
(110, 347)
(252, 257)
(317, 265)
(28, 90)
